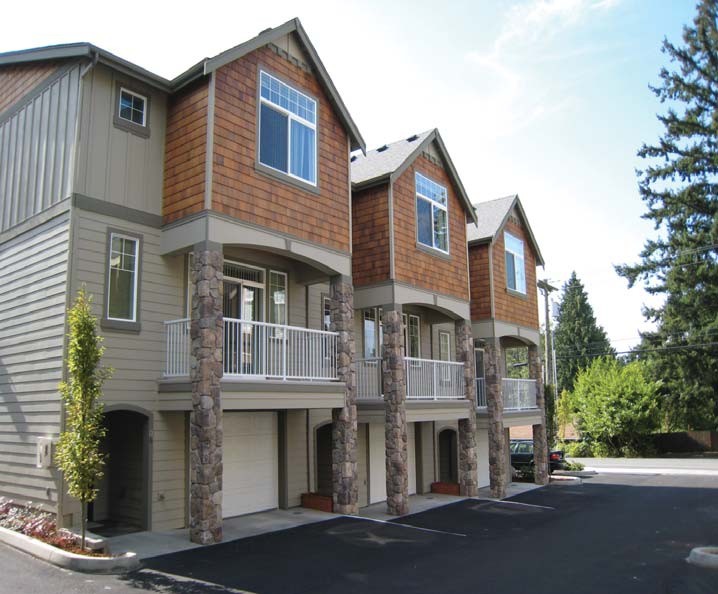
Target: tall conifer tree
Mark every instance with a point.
(679, 185)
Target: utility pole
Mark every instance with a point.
(550, 370)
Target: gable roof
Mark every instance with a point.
(491, 218)
(203, 67)
(388, 162)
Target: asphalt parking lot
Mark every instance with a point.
(612, 534)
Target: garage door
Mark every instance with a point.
(362, 448)
(411, 447)
(251, 463)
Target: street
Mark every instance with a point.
(615, 533)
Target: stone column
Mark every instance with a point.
(541, 474)
(468, 464)
(345, 491)
(206, 331)
(396, 440)
(498, 463)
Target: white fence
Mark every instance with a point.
(260, 349)
(519, 394)
(481, 392)
(369, 379)
(427, 379)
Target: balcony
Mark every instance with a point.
(426, 379)
(259, 350)
(518, 394)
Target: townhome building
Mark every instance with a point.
(415, 372)
(287, 316)
(210, 218)
(503, 256)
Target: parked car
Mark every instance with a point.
(522, 456)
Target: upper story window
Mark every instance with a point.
(515, 269)
(132, 107)
(432, 217)
(122, 276)
(444, 346)
(287, 130)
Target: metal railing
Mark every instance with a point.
(481, 392)
(518, 394)
(260, 350)
(178, 348)
(427, 379)
(369, 379)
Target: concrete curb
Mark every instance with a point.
(567, 480)
(579, 473)
(704, 557)
(119, 564)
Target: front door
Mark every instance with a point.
(243, 340)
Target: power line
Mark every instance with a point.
(638, 351)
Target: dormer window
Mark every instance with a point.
(432, 217)
(515, 267)
(287, 130)
(132, 107)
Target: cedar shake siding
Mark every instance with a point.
(370, 247)
(510, 307)
(185, 152)
(480, 282)
(413, 265)
(18, 80)
(240, 191)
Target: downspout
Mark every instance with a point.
(70, 250)
(390, 206)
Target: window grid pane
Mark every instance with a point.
(132, 107)
(288, 98)
(277, 298)
(122, 278)
(431, 213)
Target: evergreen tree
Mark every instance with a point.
(679, 185)
(577, 338)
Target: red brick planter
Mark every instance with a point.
(319, 502)
(445, 488)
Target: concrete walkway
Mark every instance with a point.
(153, 544)
(699, 466)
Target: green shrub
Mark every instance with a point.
(576, 449)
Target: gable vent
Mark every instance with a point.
(381, 149)
(412, 138)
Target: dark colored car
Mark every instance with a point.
(522, 456)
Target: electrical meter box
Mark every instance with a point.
(45, 447)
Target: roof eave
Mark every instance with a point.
(384, 178)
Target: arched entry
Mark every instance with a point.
(448, 467)
(122, 504)
(324, 460)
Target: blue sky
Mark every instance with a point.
(545, 98)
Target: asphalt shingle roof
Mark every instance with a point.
(385, 160)
(489, 215)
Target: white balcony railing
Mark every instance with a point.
(518, 394)
(369, 379)
(481, 392)
(260, 350)
(427, 379)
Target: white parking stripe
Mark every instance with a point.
(514, 503)
(188, 580)
(405, 526)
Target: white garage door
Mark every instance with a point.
(251, 464)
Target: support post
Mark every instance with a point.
(345, 487)
(468, 464)
(396, 440)
(541, 473)
(206, 331)
(498, 463)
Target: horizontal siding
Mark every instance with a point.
(17, 80)
(480, 282)
(33, 281)
(37, 146)
(169, 474)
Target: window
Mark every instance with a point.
(431, 214)
(132, 107)
(412, 342)
(445, 346)
(327, 313)
(277, 297)
(287, 130)
(122, 275)
(515, 271)
(373, 332)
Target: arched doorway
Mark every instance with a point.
(324, 460)
(448, 467)
(122, 504)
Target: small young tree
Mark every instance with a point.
(78, 450)
(616, 406)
